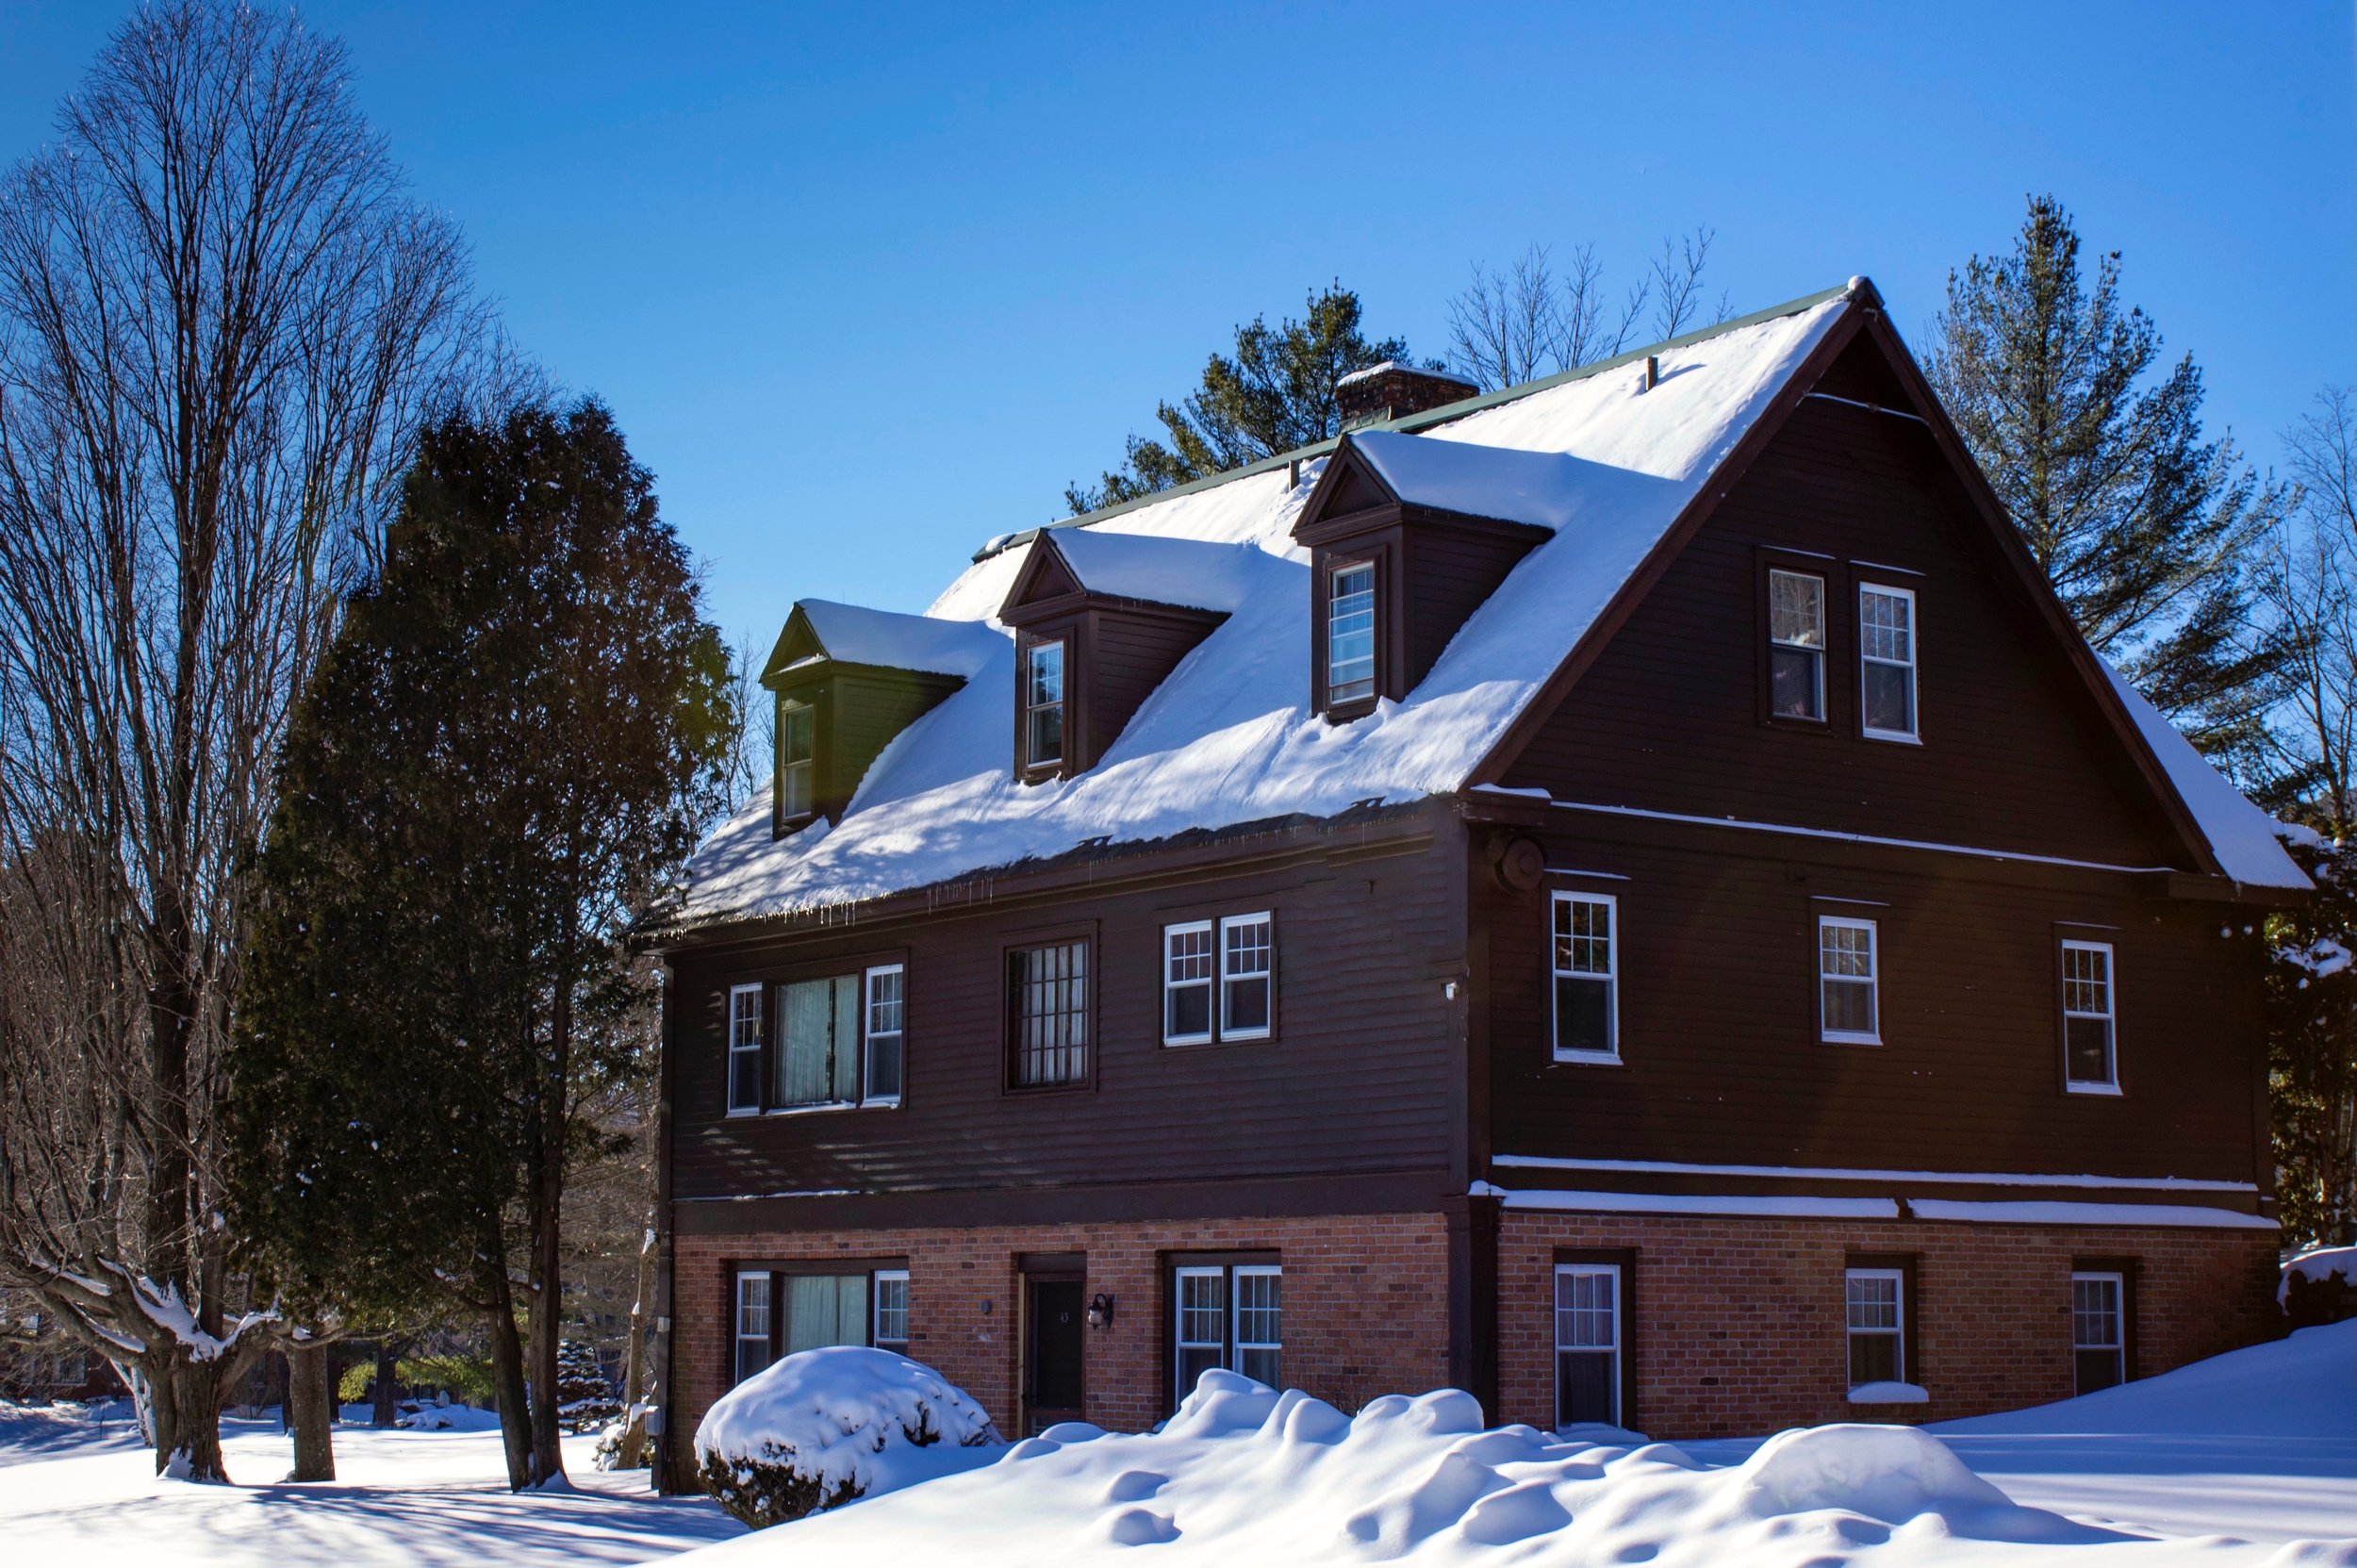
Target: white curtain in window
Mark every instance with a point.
(825, 1308)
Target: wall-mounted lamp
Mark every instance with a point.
(1100, 1309)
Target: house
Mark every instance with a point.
(1625, 895)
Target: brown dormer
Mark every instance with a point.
(1406, 536)
(846, 680)
(1101, 620)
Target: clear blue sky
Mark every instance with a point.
(868, 285)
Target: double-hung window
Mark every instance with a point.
(886, 1024)
(1877, 1311)
(1848, 981)
(1226, 1316)
(2090, 1066)
(1887, 656)
(1796, 645)
(1219, 980)
(752, 1332)
(1350, 634)
(1587, 1344)
(796, 760)
(2098, 1329)
(890, 1330)
(1587, 983)
(1188, 977)
(1043, 705)
(1248, 967)
(817, 1056)
(1047, 1015)
(744, 1049)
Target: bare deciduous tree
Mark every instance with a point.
(222, 319)
(2306, 584)
(1527, 321)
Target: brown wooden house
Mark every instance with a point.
(1625, 895)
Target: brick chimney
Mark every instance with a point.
(1392, 391)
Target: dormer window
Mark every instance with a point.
(1043, 705)
(796, 760)
(1350, 634)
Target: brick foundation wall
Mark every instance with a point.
(1739, 1325)
(1365, 1307)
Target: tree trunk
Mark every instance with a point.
(188, 1419)
(546, 1316)
(634, 1357)
(309, 1395)
(507, 1377)
(388, 1389)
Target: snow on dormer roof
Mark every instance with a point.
(1506, 483)
(853, 634)
(1193, 574)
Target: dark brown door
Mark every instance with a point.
(1052, 1386)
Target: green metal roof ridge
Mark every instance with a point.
(1446, 412)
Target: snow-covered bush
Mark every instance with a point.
(622, 1445)
(2320, 1286)
(822, 1427)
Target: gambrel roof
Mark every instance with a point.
(1616, 470)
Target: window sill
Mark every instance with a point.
(1589, 1058)
(2111, 1090)
(1890, 1394)
(1896, 736)
(826, 1107)
(740, 1114)
(1344, 713)
(1838, 1039)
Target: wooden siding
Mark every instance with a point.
(1357, 1078)
(2015, 753)
(1719, 1039)
(1129, 653)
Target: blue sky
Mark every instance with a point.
(867, 285)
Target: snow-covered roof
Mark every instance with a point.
(853, 634)
(1374, 370)
(1196, 573)
(1508, 482)
(2241, 835)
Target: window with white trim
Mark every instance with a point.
(751, 1329)
(1587, 980)
(891, 1329)
(798, 765)
(1189, 973)
(2099, 1328)
(1876, 1302)
(1847, 985)
(2090, 1060)
(1043, 705)
(1796, 645)
(744, 1049)
(1887, 661)
(1350, 634)
(886, 1034)
(1248, 965)
(1587, 1344)
(1226, 1316)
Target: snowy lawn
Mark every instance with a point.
(71, 1498)
(2222, 1466)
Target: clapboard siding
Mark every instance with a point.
(1356, 1080)
(1128, 655)
(2016, 753)
(1719, 1035)
(1450, 572)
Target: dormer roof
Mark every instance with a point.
(1141, 569)
(822, 630)
(1471, 479)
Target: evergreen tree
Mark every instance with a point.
(1276, 394)
(517, 734)
(2312, 1047)
(2142, 526)
(584, 1395)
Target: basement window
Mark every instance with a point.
(1587, 1344)
(1876, 1306)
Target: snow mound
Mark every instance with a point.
(2319, 1265)
(1892, 1473)
(822, 1428)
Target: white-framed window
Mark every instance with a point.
(1048, 1013)
(2099, 1328)
(1587, 977)
(1043, 704)
(891, 1326)
(1887, 661)
(886, 1022)
(1587, 1344)
(1247, 968)
(751, 1329)
(2090, 1061)
(1189, 972)
(1350, 634)
(1796, 645)
(1226, 1316)
(744, 1049)
(797, 764)
(1877, 1312)
(1848, 980)
(817, 1048)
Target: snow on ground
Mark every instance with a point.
(2231, 1464)
(72, 1496)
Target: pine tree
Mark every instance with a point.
(1276, 394)
(519, 732)
(584, 1395)
(2142, 526)
(2312, 1048)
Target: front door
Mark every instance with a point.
(1051, 1350)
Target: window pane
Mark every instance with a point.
(1042, 700)
(1045, 680)
(744, 1049)
(1200, 1313)
(1587, 1346)
(794, 732)
(892, 1309)
(1247, 957)
(1259, 1314)
(1583, 1014)
(1886, 626)
(1891, 699)
(1849, 1007)
(1873, 1301)
(1350, 634)
(2095, 1312)
(1187, 969)
(1874, 1359)
(2088, 1042)
(1796, 686)
(1050, 1006)
(752, 1324)
(1796, 609)
(1874, 1305)
(825, 1308)
(796, 765)
(805, 1042)
(1587, 1387)
(886, 1009)
(2097, 1370)
(1845, 959)
(1190, 1012)
(1047, 735)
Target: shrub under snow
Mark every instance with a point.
(822, 1427)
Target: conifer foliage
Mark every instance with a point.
(517, 736)
(2096, 449)
(584, 1397)
(1276, 394)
